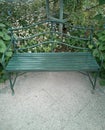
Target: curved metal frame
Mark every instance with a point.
(51, 32)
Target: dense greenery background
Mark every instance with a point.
(14, 13)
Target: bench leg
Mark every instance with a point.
(93, 81)
(12, 82)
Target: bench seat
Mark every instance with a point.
(60, 61)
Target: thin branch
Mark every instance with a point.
(88, 9)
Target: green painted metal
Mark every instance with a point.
(47, 9)
(50, 61)
(51, 32)
(61, 16)
(12, 82)
(93, 81)
(60, 19)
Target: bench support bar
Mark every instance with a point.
(12, 82)
(93, 80)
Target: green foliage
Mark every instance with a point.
(21, 13)
(4, 38)
(100, 43)
(4, 41)
(99, 52)
(101, 2)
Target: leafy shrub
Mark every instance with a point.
(17, 13)
(4, 41)
(99, 53)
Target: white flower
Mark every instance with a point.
(29, 51)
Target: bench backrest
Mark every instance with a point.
(45, 37)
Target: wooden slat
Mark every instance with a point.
(52, 62)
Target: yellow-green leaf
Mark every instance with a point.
(6, 37)
(1, 34)
(90, 46)
(9, 54)
(2, 25)
(2, 46)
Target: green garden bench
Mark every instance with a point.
(42, 47)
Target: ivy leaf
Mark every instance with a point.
(9, 54)
(6, 37)
(102, 47)
(2, 46)
(2, 25)
(103, 32)
(102, 38)
(1, 34)
(95, 53)
(90, 46)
